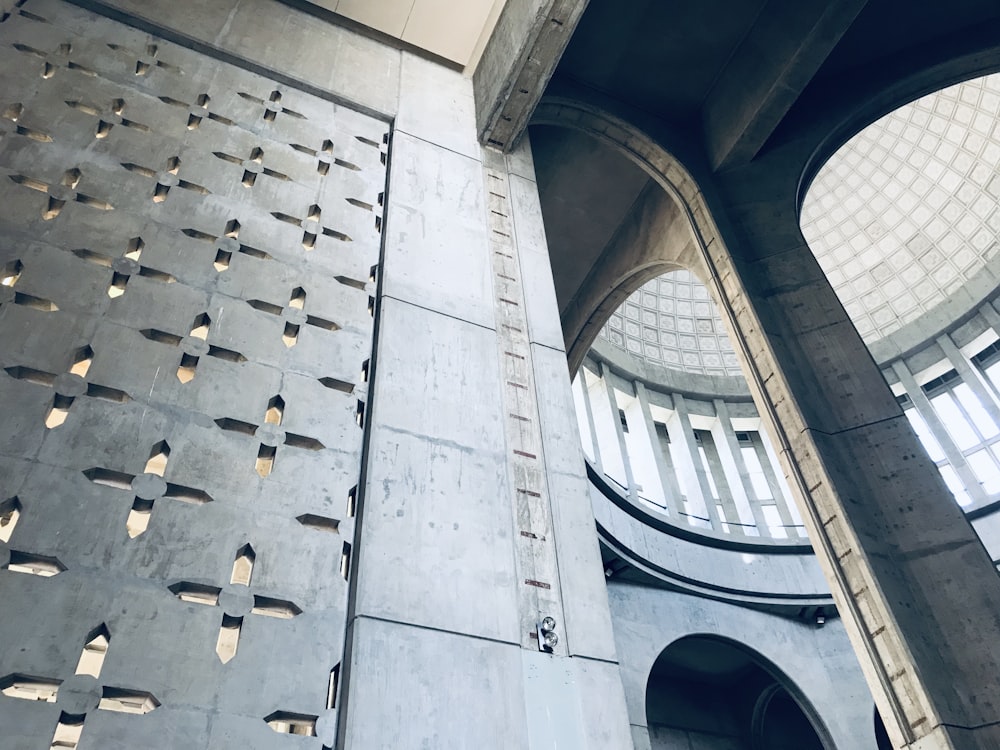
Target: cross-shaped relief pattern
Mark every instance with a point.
(68, 385)
(61, 193)
(270, 435)
(81, 693)
(272, 106)
(294, 316)
(198, 111)
(108, 115)
(237, 601)
(312, 226)
(145, 61)
(227, 244)
(193, 346)
(147, 271)
(147, 487)
(54, 60)
(166, 178)
(124, 266)
(252, 166)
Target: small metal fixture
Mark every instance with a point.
(547, 637)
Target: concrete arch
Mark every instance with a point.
(960, 304)
(671, 230)
(832, 688)
(679, 234)
(781, 681)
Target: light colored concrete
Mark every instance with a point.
(435, 233)
(437, 106)
(435, 510)
(816, 662)
(401, 673)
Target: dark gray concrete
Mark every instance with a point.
(519, 58)
(767, 72)
(122, 262)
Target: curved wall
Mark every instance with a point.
(818, 661)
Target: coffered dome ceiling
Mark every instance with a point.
(902, 217)
(672, 322)
(906, 213)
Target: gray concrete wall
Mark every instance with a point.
(817, 665)
(473, 497)
(470, 490)
(150, 191)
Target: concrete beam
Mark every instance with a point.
(519, 59)
(779, 56)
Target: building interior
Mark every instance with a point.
(547, 374)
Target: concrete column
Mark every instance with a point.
(779, 487)
(472, 527)
(589, 409)
(732, 496)
(671, 493)
(699, 491)
(616, 423)
(951, 451)
(887, 531)
(740, 480)
(991, 316)
(971, 376)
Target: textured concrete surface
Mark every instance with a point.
(869, 495)
(184, 333)
(191, 266)
(816, 664)
(517, 62)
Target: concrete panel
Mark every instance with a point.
(444, 691)
(605, 722)
(574, 704)
(552, 701)
(436, 507)
(358, 69)
(146, 379)
(544, 325)
(436, 105)
(581, 574)
(436, 252)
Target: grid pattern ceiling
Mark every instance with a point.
(906, 212)
(672, 322)
(903, 215)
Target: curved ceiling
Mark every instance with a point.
(903, 216)
(906, 212)
(672, 322)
